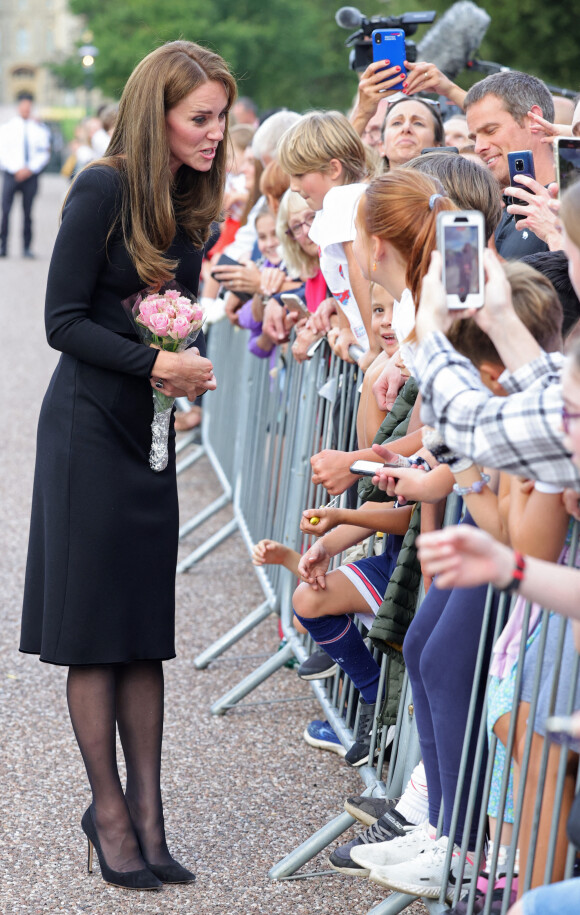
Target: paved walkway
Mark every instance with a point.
(240, 791)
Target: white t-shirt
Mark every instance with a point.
(333, 226)
(403, 316)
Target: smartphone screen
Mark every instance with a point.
(568, 161)
(461, 260)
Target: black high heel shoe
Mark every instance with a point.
(143, 879)
(171, 873)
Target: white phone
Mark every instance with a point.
(461, 242)
(293, 302)
(370, 468)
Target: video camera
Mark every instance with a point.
(361, 55)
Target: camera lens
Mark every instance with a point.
(519, 165)
(378, 39)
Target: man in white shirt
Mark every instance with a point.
(24, 153)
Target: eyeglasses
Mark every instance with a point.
(566, 417)
(300, 228)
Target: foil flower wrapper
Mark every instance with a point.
(168, 319)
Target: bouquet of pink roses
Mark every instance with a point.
(170, 320)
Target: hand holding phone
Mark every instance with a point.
(293, 302)
(461, 242)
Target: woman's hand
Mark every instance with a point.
(305, 337)
(465, 557)
(433, 314)
(320, 319)
(313, 566)
(375, 84)
(424, 77)
(326, 521)
(272, 280)
(185, 374)
(243, 278)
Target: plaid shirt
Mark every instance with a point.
(521, 434)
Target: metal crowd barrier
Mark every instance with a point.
(259, 430)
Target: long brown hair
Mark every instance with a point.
(400, 208)
(154, 201)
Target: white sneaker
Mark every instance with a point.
(395, 851)
(425, 874)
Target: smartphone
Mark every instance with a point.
(520, 163)
(370, 468)
(295, 303)
(567, 161)
(226, 261)
(461, 242)
(389, 44)
(564, 729)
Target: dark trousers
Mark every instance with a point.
(28, 189)
(440, 652)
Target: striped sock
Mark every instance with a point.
(341, 639)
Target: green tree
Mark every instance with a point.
(291, 52)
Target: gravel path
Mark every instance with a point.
(240, 791)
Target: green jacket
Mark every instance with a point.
(398, 607)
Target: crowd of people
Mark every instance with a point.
(471, 403)
(323, 226)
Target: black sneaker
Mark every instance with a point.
(390, 826)
(368, 810)
(358, 754)
(318, 666)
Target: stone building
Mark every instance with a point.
(33, 34)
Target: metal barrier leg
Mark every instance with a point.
(395, 903)
(237, 632)
(252, 681)
(311, 847)
(226, 531)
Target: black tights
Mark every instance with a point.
(128, 696)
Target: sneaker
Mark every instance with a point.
(390, 826)
(319, 734)
(394, 850)
(318, 666)
(358, 754)
(368, 810)
(425, 874)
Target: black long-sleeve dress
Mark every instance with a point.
(100, 576)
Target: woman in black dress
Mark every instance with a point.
(100, 580)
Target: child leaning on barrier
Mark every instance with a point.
(327, 163)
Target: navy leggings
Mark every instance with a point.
(440, 652)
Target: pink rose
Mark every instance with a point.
(180, 329)
(185, 310)
(172, 294)
(160, 324)
(148, 308)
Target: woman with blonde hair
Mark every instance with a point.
(139, 217)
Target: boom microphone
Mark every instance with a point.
(348, 17)
(451, 43)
